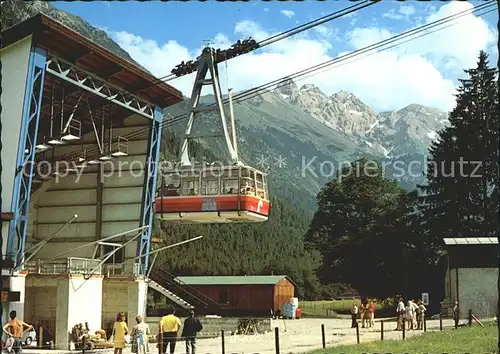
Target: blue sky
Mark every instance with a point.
(188, 24)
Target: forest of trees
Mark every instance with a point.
(367, 233)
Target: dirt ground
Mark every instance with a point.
(300, 336)
(297, 336)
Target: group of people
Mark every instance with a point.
(366, 312)
(411, 315)
(138, 337)
(169, 328)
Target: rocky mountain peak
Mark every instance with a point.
(351, 103)
(287, 87)
(419, 109)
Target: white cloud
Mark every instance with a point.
(288, 13)
(415, 72)
(403, 13)
(266, 9)
(406, 10)
(327, 32)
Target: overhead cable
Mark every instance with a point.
(343, 59)
(377, 47)
(291, 32)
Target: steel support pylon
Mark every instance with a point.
(149, 191)
(26, 155)
(207, 65)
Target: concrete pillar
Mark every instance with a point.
(5, 234)
(79, 301)
(137, 298)
(18, 283)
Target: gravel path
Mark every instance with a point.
(297, 336)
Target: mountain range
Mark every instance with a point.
(297, 134)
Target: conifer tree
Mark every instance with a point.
(458, 198)
(362, 229)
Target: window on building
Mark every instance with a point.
(117, 257)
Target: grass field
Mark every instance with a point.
(319, 308)
(475, 339)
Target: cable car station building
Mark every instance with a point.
(81, 131)
(471, 276)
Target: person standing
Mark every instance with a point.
(401, 312)
(420, 315)
(409, 315)
(169, 330)
(354, 315)
(362, 310)
(191, 327)
(371, 311)
(119, 331)
(456, 313)
(414, 314)
(139, 336)
(14, 330)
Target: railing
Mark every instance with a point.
(192, 289)
(177, 289)
(124, 269)
(72, 265)
(185, 289)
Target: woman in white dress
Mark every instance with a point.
(139, 336)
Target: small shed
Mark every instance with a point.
(249, 294)
(472, 275)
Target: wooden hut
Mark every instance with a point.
(245, 295)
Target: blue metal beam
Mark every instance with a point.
(149, 191)
(26, 154)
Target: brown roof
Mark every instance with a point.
(67, 44)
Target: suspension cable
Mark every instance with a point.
(290, 32)
(377, 47)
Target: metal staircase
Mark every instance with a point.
(185, 293)
(170, 295)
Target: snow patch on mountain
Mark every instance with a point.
(394, 133)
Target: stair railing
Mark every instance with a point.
(191, 289)
(178, 287)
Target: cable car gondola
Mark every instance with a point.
(203, 193)
(213, 195)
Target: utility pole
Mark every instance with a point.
(498, 164)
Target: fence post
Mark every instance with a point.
(323, 336)
(40, 337)
(83, 344)
(357, 332)
(277, 339)
(440, 322)
(381, 330)
(470, 317)
(223, 342)
(425, 322)
(160, 341)
(404, 328)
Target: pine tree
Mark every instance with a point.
(361, 228)
(462, 170)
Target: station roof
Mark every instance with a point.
(232, 280)
(471, 241)
(61, 41)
